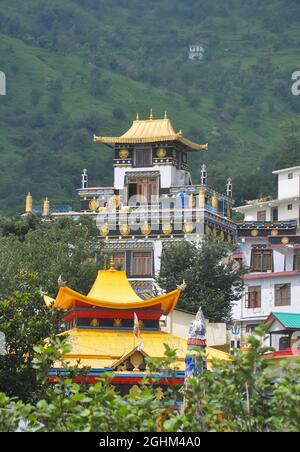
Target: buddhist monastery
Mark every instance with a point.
(101, 329)
(153, 201)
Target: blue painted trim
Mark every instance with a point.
(95, 372)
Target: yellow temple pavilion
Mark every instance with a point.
(100, 328)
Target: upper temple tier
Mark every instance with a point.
(151, 131)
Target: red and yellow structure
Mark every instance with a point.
(100, 331)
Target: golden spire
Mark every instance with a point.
(151, 114)
(46, 208)
(166, 115)
(137, 116)
(28, 208)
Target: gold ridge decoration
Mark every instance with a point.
(93, 205)
(124, 229)
(104, 230)
(188, 228)
(161, 153)
(114, 202)
(124, 153)
(136, 360)
(146, 229)
(159, 393)
(167, 228)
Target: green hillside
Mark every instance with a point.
(83, 66)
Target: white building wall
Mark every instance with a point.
(178, 323)
(242, 313)
(169, 175)
(289, 187)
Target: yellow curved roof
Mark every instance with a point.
(104, 348)
(112, 289)
(151, 130)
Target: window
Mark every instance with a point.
(120, 261)
(282, 294)
(274, 213)
(143, 157)
(261, 216)
(141, 264)
(290, 176)
(290, 207)
(297, 261)
(261, 260)
(254, 297)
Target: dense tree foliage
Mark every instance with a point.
(243, 395)
(34, 254)
(212, 276)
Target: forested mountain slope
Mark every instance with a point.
(75, 67)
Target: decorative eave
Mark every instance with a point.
(151, 131)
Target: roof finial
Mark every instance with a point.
(28, 207)
(151, 114)
(46, 208)
(137, 116)
(166, 115)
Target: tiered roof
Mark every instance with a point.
(151, 131)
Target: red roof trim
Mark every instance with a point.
(271, 275)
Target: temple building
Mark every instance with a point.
(153, 201)
(114, 330)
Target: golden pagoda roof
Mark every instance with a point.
(97, 348)
(149, 131)
(112, 289)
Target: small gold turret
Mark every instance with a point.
(166, 115)
(151, 114)
(137, 116)
(201, 198)
(214, 201)
(46, 208)
(28, 208)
